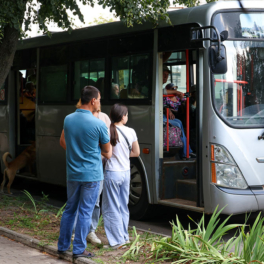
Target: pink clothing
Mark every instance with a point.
(104, 117)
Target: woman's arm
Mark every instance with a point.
(177, 93)
(135, 149)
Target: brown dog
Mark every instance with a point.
(27, 157)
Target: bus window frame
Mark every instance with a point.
(67, 101)
(212, 82)
(71, 70)
(129, 101)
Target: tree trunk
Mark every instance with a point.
(7, 51)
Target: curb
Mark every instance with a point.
(34, 243)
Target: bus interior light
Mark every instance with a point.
(224, 170)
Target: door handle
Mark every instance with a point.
(261, 137)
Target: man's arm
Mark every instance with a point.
(62, 140)
(106, 150)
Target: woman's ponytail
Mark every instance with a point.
(113, 135)
(116, 114)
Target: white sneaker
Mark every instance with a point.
(119, 246)
(93, 239)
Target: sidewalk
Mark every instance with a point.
(15, 253)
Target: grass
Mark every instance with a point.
(202, 244)
(25, 215)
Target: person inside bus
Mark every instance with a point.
(172, 120)
(117, 178)
(92, 237)
(193, 118)
(115, 91)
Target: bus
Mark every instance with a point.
(215, 51)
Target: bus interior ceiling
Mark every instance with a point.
(178, 183)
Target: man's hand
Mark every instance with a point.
(62, 140)
(106, 150)
(171, 115)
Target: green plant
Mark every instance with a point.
(252, 241)
(135, 247)
(60, 212)
(201, 245)
(44, 198)
(34, 203)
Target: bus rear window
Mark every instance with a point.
(131, 77)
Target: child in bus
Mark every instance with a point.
(117, 178)
(175, 101)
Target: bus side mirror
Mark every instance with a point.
(218, 61)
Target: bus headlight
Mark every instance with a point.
(224, 170)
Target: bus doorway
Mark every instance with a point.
(25, 120)
(180, 182)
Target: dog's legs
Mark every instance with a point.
(11, 179)
(3, 182)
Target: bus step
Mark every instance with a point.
(180, 203)
(188, 181)
(186, 189)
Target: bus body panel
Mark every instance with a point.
(51, 160)
(232, 204)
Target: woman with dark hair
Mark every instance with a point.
(117, 177)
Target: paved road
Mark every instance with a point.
(15, 253)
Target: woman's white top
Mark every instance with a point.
(120, 154)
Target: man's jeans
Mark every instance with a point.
(85, 195)
(176, 122)
(96, 212)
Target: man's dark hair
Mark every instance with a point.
(88, 93)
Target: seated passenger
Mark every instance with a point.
(115, 91)
(172, 120)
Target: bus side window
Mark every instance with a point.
(89, 72)
(131, 74)
(53, 83)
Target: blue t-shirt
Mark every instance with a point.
(83, 133)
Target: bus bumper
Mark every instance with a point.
(235, 201)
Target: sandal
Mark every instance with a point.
(85, 254)
(63, 251)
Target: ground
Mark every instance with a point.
(41, 221)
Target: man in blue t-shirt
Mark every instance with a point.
(86, 139)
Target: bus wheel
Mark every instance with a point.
(138, 198)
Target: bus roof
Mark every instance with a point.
(200, 14)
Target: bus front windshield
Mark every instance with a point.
(239, 94)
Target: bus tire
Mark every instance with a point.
(138, 196)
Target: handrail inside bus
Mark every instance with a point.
(235, 81)
(239, 93)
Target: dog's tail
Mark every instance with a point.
(7, 154)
